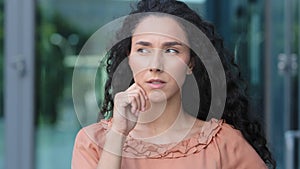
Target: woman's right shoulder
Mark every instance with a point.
(95, 132)
(88, 145)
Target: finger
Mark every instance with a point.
(136, 86)
(132, 87)
(142, 91)
(143, 97)
(122, 99)
(137, 113)
(138, 100)
(133, 104)
(143, 102)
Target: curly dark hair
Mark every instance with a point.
(237, 103)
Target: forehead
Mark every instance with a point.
(162, 26)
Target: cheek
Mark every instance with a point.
(137, 64)
(177, 69)
(138, 67)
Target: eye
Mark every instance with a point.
(143, 51)
(172, 51)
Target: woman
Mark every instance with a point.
(150, 128)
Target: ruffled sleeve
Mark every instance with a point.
(88, 145)
(235, 151)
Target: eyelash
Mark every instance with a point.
(172, 51)
(142, 50)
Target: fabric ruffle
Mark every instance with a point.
(140, 149)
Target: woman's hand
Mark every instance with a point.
(127, 106)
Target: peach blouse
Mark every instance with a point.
(217, 146)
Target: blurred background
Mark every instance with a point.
(39, 42)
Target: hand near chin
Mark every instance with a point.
(127, 106)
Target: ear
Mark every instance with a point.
(127, 54)
(189, 70)
(191, 66)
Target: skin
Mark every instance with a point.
(147, 110)
(156, 53)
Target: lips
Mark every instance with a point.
(156, 83)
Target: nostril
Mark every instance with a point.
(157, 70)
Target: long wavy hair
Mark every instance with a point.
(237, 103)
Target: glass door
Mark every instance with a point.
(58, 40)
(288, 65)
(63, 26)
(1, 85)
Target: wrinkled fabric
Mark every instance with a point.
(217, 145)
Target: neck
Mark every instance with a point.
(160, 116)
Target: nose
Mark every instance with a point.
(156, 63)
(155, 70)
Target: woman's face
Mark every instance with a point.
(159, 56)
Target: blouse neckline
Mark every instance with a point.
(137, 148)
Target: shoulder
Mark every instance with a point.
(94, 133)
(235, 151)
(229, 133)
(88, 145)
(230, 137)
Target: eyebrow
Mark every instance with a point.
(143, 43)
(166, 44)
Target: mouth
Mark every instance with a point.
(156, 83)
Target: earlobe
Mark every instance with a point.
(190, 67)
(189, 71)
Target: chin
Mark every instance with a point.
(157, 96)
